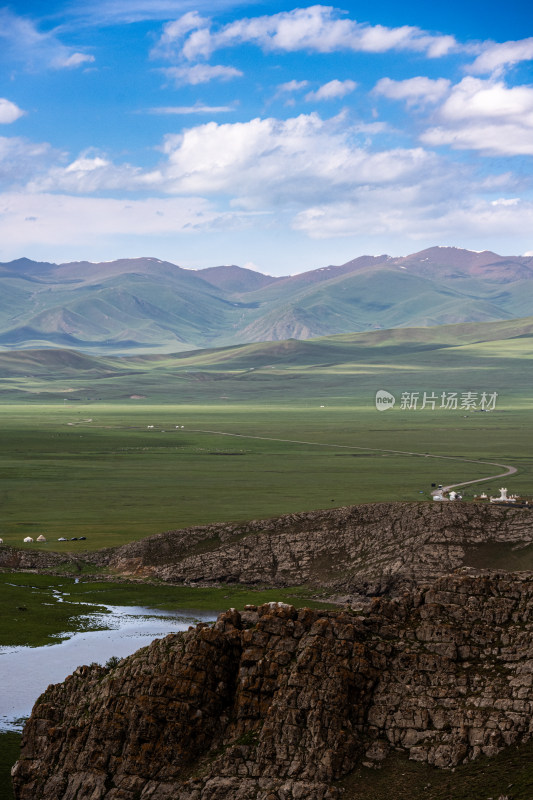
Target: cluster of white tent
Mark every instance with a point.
(29, 539)
(41, 539)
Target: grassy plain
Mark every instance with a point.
(130, 472)
(115, 480)
(92, 447)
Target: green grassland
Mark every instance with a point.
(506, 775)
(115, 480)
(113, 462)
(90, 446)
(33, 616)
(9, 752)
(345, 368)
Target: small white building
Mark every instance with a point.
(41, 538)
(28, 540)
(503, 497)
(451, 496)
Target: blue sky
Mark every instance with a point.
(278, 136)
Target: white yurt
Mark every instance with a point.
(41, 538)
(28, 539)
(1, 541)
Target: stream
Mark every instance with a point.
(25, 672)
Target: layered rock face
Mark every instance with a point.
(278, 704)
(368, 549)
(17, 558)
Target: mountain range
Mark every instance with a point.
(149, 305)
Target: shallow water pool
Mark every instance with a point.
(25, 672)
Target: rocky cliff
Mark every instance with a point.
(366, 549)
(278, 704)
(33, 559)
(369, 549)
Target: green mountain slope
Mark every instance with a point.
(482, 357)
(147, 305)
(139, 303)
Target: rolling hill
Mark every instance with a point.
(489, 356)
(148, 305)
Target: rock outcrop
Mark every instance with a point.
(368, 549)
(35, 559)
(278, 704)
(358, 551)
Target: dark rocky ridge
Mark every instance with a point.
(279, 704)
(369, 549)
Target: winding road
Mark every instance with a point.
(509, 470)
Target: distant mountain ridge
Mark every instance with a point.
(150, 305)
(348, 366)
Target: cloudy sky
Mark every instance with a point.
(278, 136)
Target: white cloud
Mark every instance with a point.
(113, 12)
(486, 116)
(20, 160)
(9, 112)
(43, 219)
(414, 90)
(73, 60)
(263, 163)
(288, 90)
(475, 98)
(191, 25)
(309, 172)
(280, 161)
(85, 165)
(506, 201)
(488, 139)
(482, 218)
(175, 30)
(411, 215)
(318, 28)
(498, 56)
(332, 90)
(86, 175)
(198, 108)
(22, 42)
(292, 86)
(201, 73)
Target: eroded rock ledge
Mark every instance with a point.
(279, 704)
(368, 549)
